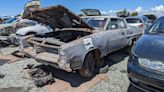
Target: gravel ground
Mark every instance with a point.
(16, 76)
(117, 75)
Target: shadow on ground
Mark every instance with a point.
(116, 57)
(2, 62)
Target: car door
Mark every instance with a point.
(114, 35)
(123, 32)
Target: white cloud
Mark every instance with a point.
(139, 9)
(159, 8)
(110, 12)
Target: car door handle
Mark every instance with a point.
(122, 33)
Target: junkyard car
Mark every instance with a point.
(7, 31)
(74, 45)
(90, 12)
(146, 64)
(9, 28)
(140, 22)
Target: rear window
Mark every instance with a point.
(133, 20)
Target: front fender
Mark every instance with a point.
(77, 61)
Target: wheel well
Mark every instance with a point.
(132, 41)
(96, 54)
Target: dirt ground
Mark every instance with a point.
(114, 81)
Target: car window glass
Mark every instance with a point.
(113, 24)
(121, 23)
(158, 27)
(29, 23)
(145, 19)
(97, 22)
(133, 20)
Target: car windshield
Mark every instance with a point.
(133, 20)
(158, 27)
(11, 20)
(96, 22)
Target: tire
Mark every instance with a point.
(88, 67)
(99, 62)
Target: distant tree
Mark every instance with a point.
(134, 14)
(123, 13)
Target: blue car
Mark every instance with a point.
(146, 64)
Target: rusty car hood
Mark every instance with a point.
(57, 17)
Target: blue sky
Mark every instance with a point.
(12, 7)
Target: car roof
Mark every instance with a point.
(101, 17)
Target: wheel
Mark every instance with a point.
(100, 62)
(87, 69)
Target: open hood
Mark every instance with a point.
(91, 12)
(30, 6)
(57, 17)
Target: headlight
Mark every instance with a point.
(63, 58)
(63, 61)
(61, 52)
(152, 64)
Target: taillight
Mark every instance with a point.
(141, 26)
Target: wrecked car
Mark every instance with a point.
(12, 25)
(9, 28)
(74, 45)
(7, 31)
